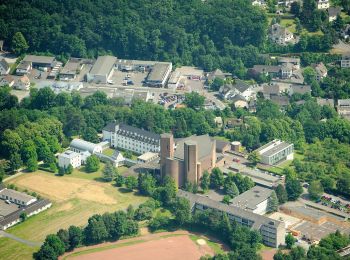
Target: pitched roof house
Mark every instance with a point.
(22, 83)
(238, 88)
(280, 35)
(333, 12)
(321, 71)
(4, 67)
(24, 67)
(7, 80)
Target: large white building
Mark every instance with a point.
(322, 4)
(69, 158)
(103, 69)
(276, 151)
(255, 200)
(81, 146)
(131, 138)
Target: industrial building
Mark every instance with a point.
(102, 69)
(186, 159)
(131, 138)
(272, 231)
(44, 62)
(276, 151)
(159, 74)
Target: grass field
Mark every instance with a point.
(75, 198)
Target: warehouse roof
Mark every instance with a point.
(16, 195)
(39, 59)
(83, 145)
(103, 65)
(159, 71)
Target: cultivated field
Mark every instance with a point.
(75, 198)
(171, 247)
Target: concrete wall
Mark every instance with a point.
(191, 155)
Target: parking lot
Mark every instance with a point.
(134, 78)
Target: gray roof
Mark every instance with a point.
(204, 145)
(16, 195)
(4, 64)
(220, 144)
(103, 65)
(238, 98)
(2, 186)
(250, 199)
(133, 132)
(229, 209)
(344, 102)
(23, 65)
(69, 154)
(83, 145)
(39, 59)
(159, 71)
(334, 11)
(27, 209)
(240, 85)
(71, 66)
(266, 69)
(288, 60)
(280, 100)
(325, 102)
(273, 148)
(301, 89)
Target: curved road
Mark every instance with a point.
(18, 239)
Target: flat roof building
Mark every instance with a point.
(147, 157)
(40, 61)
(255, 200)
(69, 158)
(159, 74)
(273, 231)
(276, 151)
(102, 69)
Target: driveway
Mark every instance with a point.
(18, 239)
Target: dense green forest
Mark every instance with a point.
(197, 32)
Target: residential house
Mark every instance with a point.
(258, 2)
(299, 89)
(292, 60)
(282, 101)
(325, 102)
(280, 35)
(346, 32)
(345, 60)
(239, 87)
(4, 67)
(217, 74)
(272, 89)
(266, 70)
(22, 83)
(343, 108)
(218, 121)
(7, 80)
(286, 70)
(23, 68)
(239, 101)
(333, 13)
(322, 4)
(321, 70)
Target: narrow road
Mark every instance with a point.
(18, 239)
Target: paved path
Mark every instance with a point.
(18, 239)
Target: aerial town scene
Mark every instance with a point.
(171, 129)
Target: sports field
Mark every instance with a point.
(173, 246)
(75, 198)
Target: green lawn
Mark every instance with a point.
(289, 24)
(108, 151)
(75, 198)
(217, 248)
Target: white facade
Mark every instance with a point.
(4, 67)
(131, 138)
(80, 146)
(280, 35)
(22, 83)
(69, 158)
(17, 197)
(276, 151)
(345, 61)
(322, 4)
